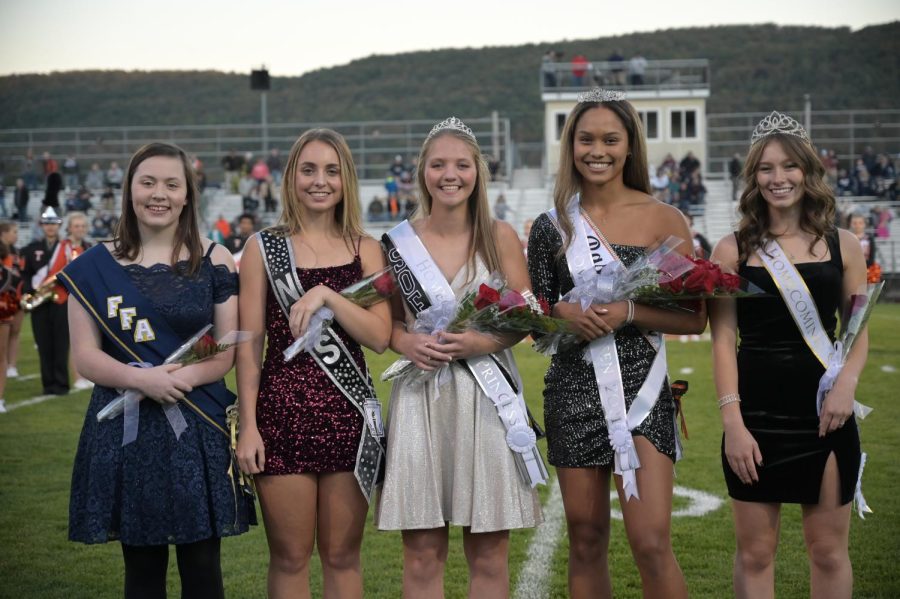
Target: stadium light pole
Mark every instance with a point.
(259, 80)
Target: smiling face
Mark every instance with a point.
(159, 192)
(600, 146)
(77, 228)
(318, 182)
(779, 177)
(450, 171)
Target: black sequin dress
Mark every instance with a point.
(306, 423)
(778, 376)
(159, 490)
(576, 425)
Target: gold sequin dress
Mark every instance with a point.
(447, 458)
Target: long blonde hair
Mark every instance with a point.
(347, 213)
(818, 203)
(569, 181)
(483, 242)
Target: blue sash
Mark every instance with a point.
(136, 331)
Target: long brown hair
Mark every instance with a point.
(127, 239)
(483, 242)
(569, 181)
(818, 203)
(347, 212)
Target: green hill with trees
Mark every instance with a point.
(753, 68)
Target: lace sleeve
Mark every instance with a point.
(225, 283)
(543, 244)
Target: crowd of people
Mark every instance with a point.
(680, 184)
(580, 72)
(458, 445)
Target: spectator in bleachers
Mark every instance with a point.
(869, 158)
(260, 172)
(20, 200)
(501, 208)
(114, 175)
(376, 210)
(669, 164)
(397, 167)
(859, 227)
(232, 164)
(493, 166)
(862, 177)
(94, 180)
(688, 165)
(735, 166)
(246, 226)
(696, 192)
(246, 187)
(659, 182)
(79, 201)
(70, 172)
(830, 162)
(617, 69)
(28, 173)
(406, 187)
(882, 221)
(108, 199)
(276, 168)
(675, 188)
(580, 66)
(845, 184)
(637, 66)
(102, 225)
(51, 192)
(884, 177)
(50, 165)
(265, 195)
(548, 69)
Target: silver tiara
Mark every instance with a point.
(778, 123)
(601, 95)
(451, 124)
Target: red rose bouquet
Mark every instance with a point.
(366, 292)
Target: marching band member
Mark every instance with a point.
(44, 259)
(10, 294)
(76, 229)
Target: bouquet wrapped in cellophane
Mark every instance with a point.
(662, 278)
(366, 292)
(493, 308)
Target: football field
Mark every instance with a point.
(38, 440)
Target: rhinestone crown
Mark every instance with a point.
(452, 123)
(601, 95)
(778, 123)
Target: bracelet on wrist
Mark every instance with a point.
(629, 318)
(727, 399)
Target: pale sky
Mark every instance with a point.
(293, 37)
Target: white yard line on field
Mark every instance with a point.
(25, 377)
(30, 402)
(533, 578)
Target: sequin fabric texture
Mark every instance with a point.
(573, 415)
(306, 424)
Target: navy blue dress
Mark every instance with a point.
(159, 490)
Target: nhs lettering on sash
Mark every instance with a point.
(805, 316)
(288, 294)
(128, 319)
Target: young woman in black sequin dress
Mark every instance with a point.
(775, 447)
(603, 158)
(299, 433)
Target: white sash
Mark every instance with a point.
(586, 255)
(487, 370)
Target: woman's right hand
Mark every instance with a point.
(423, 351)
(742, 453)
(251, 453)
(160, 385)
(587, 324)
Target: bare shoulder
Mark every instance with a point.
(726, 252)
(219, 256)
(369, 246)
(851, 248)
(505, 235)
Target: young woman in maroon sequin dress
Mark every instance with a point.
(299, 434)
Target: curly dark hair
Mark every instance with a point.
(818, 207)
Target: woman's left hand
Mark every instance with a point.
(837, 406)
(466, 344)
(616, 314)
(305, 307)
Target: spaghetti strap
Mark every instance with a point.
(358, 244)
(209, 250)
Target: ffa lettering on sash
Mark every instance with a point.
(128, 319)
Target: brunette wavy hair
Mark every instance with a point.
(127, 240)
(347, 212)
(569, 181)
(483, 242)
(817, 206)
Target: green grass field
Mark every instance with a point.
(37, 444)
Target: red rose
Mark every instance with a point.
(384, 284)
(674, 286)
(700, 280)
(487, 296)
(512, 299)
(205, 347)
(731, 282)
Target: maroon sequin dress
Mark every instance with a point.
(306, 424)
